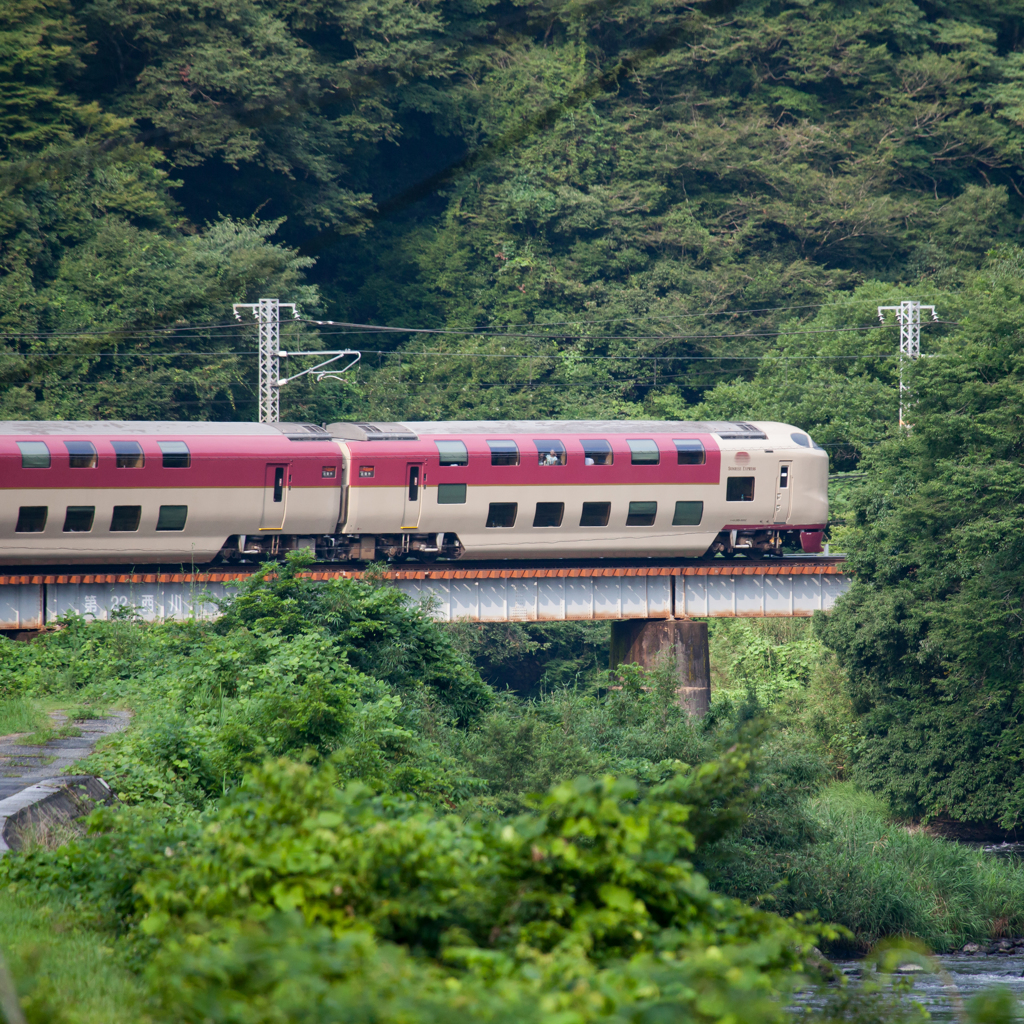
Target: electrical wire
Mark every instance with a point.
(480, 333)
(408, 354)
(234, 325)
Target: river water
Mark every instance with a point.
(969, 973)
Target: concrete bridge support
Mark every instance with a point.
(651, 642)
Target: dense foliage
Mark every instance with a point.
(933, 631)
(599, 180)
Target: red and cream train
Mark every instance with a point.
(146, 493)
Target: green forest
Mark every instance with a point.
(336, 810)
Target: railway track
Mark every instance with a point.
(506, 569)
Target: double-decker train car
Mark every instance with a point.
(149, 493)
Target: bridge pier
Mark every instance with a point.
(650, 642)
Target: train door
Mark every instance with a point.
(415, 473)
(783, 490)
(275, 496)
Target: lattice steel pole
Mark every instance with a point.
(909, 316)
(268, 313)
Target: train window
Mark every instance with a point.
(642, 513)
(129, 454)
(644, 452)
(595, 513)
(31, 519)
(34, 455)
(451, 494)
(125, 519)
(550, 453)
(502, 514)
(548, 513)
(689, 453)
(176, 456)
(78, 518)
(452, 453)
(784, 477)
(801, 439)
(688, 513)
(504, 453)
(81, 454)
(596, 452)
(172, 517)
(739, 488)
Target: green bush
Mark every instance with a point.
(587, 904)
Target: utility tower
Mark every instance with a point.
(268, 313)
(909, 316)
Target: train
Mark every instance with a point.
(200, 493)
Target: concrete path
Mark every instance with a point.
(23, 766)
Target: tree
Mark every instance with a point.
(932, 630)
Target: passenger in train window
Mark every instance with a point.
(739, 488)
(596, 452)
(550, 453)
(129, 454)
(81, 454)
(79, 518)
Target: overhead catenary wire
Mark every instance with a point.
(494, 333)
(357, 328)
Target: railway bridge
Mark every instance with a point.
(654, 606)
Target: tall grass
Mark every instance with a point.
(879, 878)
(17, 714)
(63, 967)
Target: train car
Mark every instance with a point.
(157, 493)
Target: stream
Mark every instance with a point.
(970, 973)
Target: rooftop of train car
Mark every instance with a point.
(194, 427)
(381, 431)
